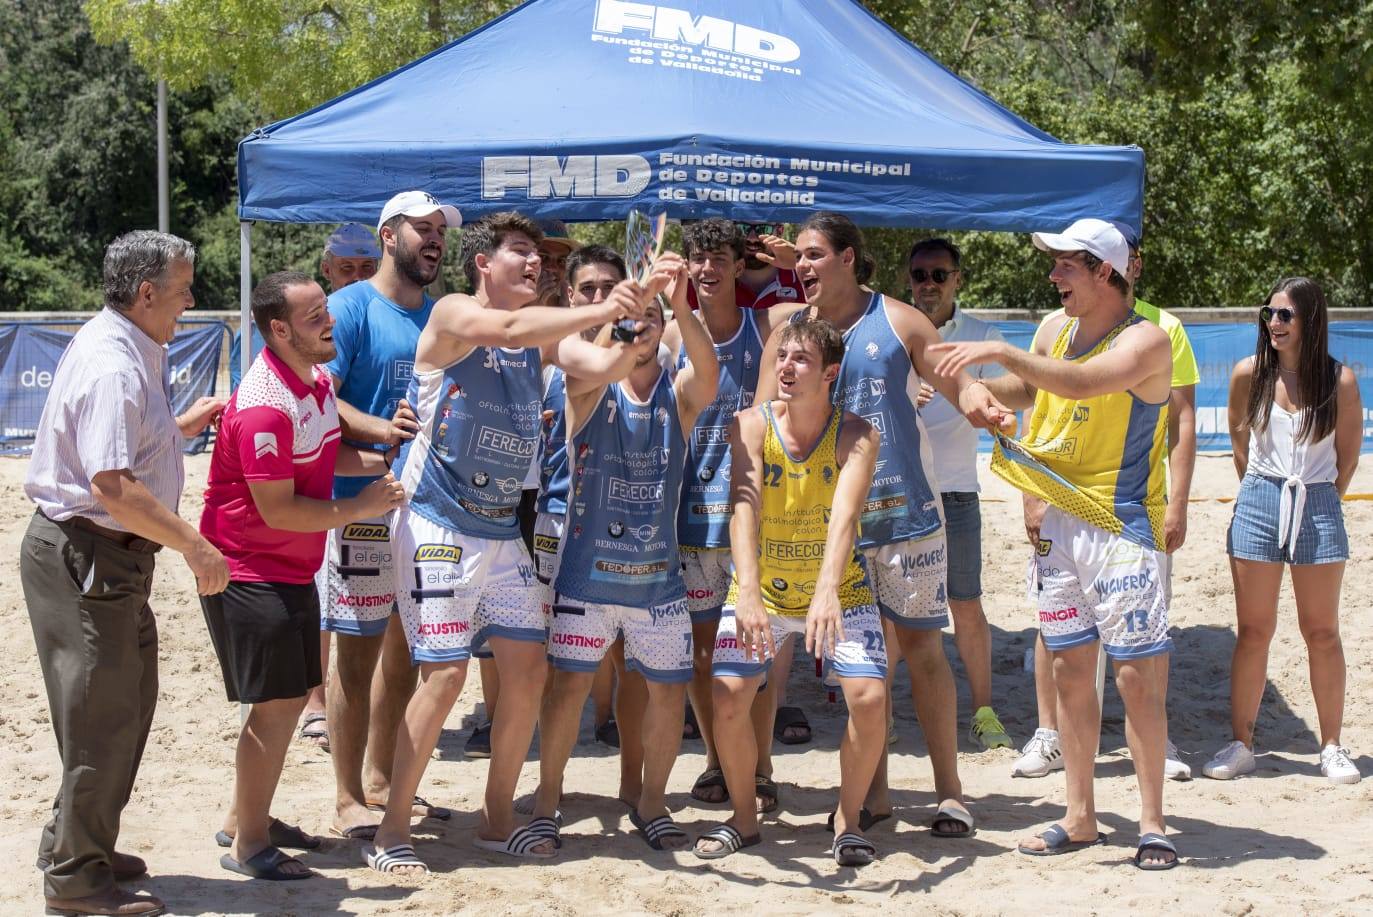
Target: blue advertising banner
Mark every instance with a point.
(30, 351)
(1218, 347)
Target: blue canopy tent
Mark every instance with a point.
(769, 110)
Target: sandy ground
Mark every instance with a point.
(1281, 841)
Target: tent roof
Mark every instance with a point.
(770, 110)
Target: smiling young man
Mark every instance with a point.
(619, 570)
(1098, 382)
(715, 261)
(887, 350)
(377, 325)
(801, 471)
(267, 508)
(468, 581)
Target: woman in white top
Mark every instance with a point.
(1296, 425)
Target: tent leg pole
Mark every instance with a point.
(245, 293)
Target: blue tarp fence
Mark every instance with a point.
(29, 352)
(1218, 347)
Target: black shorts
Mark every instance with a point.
(267, 638)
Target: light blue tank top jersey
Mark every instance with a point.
(878, 382)
(479, 426)
(703, 520)
(554, 475)
(375, 339)
(620, 544)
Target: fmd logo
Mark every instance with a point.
(543, 177)
(666, 23)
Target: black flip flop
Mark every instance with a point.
(691, 729)
(608, 733)
(865, 819)
(279, 834)
(1153, 841)
(766, 787)
(708, 779)
(1057, 843)
(655, 830)
(790, 718)
(265, 864)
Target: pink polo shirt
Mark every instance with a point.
(275, 428)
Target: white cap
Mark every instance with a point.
(418, 204)
(1097, 237)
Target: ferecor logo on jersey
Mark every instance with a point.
(503, 442)
(710, 436)
(366, 531)
(631, 492)
(446, 553)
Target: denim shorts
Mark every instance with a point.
(1253, 533)
(963, 529)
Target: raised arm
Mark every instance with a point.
(697, 381)
(460, 320)
(1141, 359)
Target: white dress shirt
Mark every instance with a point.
(109, 409)
(952, 439)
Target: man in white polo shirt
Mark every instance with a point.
(106, 479)
(934, 270)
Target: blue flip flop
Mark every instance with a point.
(1153, 841)
(1057, 843)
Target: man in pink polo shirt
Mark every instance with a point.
(267, 509)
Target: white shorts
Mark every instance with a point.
(657, 639)
(909, 581)
(861, 654)
(707, 572)
(1088, 584)
(548, 536)
(357, 583)
(457, 592)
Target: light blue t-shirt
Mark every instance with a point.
(376, 340)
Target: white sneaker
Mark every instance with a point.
(1230, 762)
(1040, 755)
(1174, 768)
(1337, 766)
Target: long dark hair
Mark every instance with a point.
(1317, 371)
(842, 233)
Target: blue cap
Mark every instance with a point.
(353, 240)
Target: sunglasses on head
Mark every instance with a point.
(938, 275)
(1284, 315)
(759, 229)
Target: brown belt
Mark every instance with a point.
(127, 540)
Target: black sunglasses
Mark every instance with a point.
(1284, 315)
(761, 229)
(938, 275)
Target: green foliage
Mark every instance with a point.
(1256, 118)
(286, 55)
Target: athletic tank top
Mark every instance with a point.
(620, 544)
(1099, 459)
(878, 382)
(554, 476)
(703, 520)
(479, 429)
(793, 522)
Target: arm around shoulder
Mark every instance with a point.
(1349, 424)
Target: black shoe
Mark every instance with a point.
(479, 742)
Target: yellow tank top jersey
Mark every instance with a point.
(1099, 459)
(794, 515)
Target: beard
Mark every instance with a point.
(414, 269)
(752, 262)
(316, 351)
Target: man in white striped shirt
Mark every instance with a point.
(106, 477)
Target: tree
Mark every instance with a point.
(285, 56)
